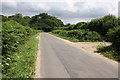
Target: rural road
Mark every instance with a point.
(60, 59)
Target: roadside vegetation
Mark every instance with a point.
(19, 47)
(112, 51)
(19, 43)
(105, 29)
(21, 64)
(79, 35)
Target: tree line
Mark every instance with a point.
(106, 28)
(42, 21)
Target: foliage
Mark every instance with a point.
(20, 19)
(118, 21)
(113, 51)
(45, 22)
(23, 61)
(60, 28)
(78, 25)
(16, 17)
(3, 18)
(70, 27)
(68, 24)
(109, 51)
(102, 25)
(13, 35)
(114, 36)
(81, 35)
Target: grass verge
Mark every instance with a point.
(72, 39)
(67, 38)
(24, 60)
(109, 51)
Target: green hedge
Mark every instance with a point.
(113, 51)
(81, 35)
(14, 34)
(114, 35)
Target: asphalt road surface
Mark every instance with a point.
(60, 59)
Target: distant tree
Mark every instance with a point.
(25, 21)
(118, 21)
(17, 17)
(102, 25)
(45, 22)
(70, 27)
(3, 18)
(20, 19)
(68, 24)
(78, 25)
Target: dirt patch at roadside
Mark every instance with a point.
(91, 47)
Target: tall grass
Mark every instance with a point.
(24, 60)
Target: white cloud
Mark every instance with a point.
(43, 6)
(11, 3)
(76, 10)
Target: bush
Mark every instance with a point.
(13, 35)
(109, 52)
(60, 28)
(114, 36)
(60, 32)
(81, 35)
(102, 25)
(112, 51)
(80, 25)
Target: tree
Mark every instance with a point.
(16, 17)
(102, 25)
(45, 22)
(78, 25)
(25, 21)
(3, 18)
(68, 24)
(20, 19)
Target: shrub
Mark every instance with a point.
(114, 36)
(13, 35)
(81, 35)
(112, 51)
(102, 25)
(60, 28)
(109, 52)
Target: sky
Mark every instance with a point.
(69, 11)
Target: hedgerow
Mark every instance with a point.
(114, 37)
(13, 35)
(81, 35)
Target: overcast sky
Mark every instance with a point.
(69, 11)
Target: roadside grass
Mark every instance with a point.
(24, 60)
(67, 38)
(72, 39)
(109, 52)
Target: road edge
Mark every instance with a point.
(113, 62)
(37, 62)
